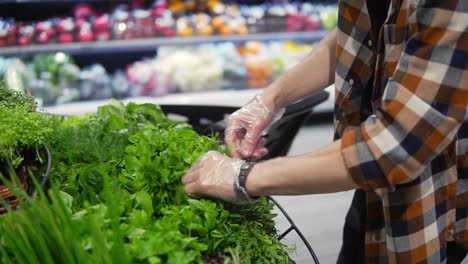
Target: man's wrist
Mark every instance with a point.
(272, 97)
(253, 183)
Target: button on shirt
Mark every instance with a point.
(410, 153)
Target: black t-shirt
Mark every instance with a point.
(378, 10)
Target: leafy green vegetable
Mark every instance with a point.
(117, 193)
(20, 128)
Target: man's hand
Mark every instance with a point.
(214, 175)
(245, 126)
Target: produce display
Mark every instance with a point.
(210, 67)
(56, 79)
(167, 19)
(115, 196)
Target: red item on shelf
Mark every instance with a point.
(12, 34)
(160, 4)
(165, 24)
(103, 35)
(3, 40)
(122, 27)
(44, 31)
(45, 26)
(137, 4)
(157, 11)
(80, 21)
(25, 34)
(142, 20)
(85, 34)
(101, 26)
(294, 19)
(312, 22)
(83, 11)
(65, 38)
(24, 41)
(169, 32)
(3, 34)
(102, 23)
(65, 25)
(43, 37)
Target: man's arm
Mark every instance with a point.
(244, 127)
(312, 74)
(323, 171)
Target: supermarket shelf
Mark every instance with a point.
(56, 1)
(114, 46)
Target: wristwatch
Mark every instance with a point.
(239, 184)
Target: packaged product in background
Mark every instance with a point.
(276, 18)
(65, 30)
(294, 18)
(13, 75)
(286, 54)
(143, 23)
(311, 17)
(328, 16)
(44, 32)
(176, 6)
(192, 69)
(83, 11)
(12, 32)
(122, 23)
(55, 77)
(85, 33)
(8, 32)
(101, 26)
(184, 27)
(258, 64)
(234, 71)
(3, 33)
(25, 34)
(120, 85)
(95, 83)
(146, 79)
(255, 18)
(164, 23)
(202, 24)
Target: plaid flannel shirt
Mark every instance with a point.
(410, 153)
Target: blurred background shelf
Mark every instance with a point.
(151, 44)
(66, 51)
(56, 1)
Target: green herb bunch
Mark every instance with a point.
(21, 129)
(117, 198)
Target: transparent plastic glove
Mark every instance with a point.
(245, 127)
(216, 175)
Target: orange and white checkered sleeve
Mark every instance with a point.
(423, 105)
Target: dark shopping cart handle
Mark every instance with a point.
(306, 104)
(218, 112)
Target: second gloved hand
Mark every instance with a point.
(245, 126)
(216, 175)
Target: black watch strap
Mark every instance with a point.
(244, 172)
(239, 184)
